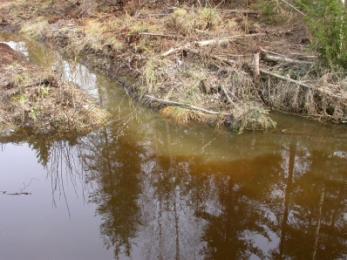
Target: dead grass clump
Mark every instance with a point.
(183, 116)
(239, 84)
(46, 108)
(96, 36)
(114, 33)
(197, 83)
(186, 22)
(180, 21)
(130, 25)
(34, 99)
(35, 29)
(155, 72)
(208, 18)
(252, 117)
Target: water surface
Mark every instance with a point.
(144, 188)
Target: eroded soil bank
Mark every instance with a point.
(226, 65)
(34, 100)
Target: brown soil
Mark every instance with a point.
(9, 56)
(33, 99)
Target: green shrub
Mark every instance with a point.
(327, 20)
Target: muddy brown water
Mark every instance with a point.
(144, 188)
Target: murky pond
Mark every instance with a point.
(144, 188)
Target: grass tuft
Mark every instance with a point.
(183, 116)
(252, 117)
(35, 29)
(186, 22)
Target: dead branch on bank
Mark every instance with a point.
(210, 42)
(276, 58)
(186, 106)
(299, 83)
(222, 41)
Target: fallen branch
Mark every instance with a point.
(303, 56)
(198, 53)
(281, 58)
(221, 41)
(184, 105)
(146, 16)
(209, 42)
(174, 50)
(285, 78)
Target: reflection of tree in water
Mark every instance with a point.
(228, 232)
(272, 206)
(315, 208)
(60, 157)
(43, 148)
(114, 164)
(270, 212)
(286, 204)
(178, 195)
